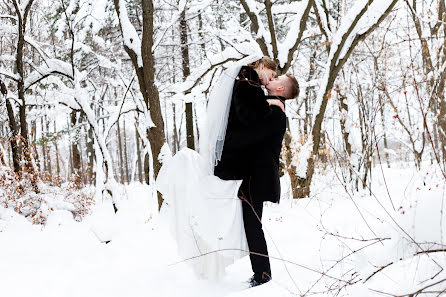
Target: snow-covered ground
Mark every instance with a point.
(318, 245)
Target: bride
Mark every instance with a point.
(205, 213)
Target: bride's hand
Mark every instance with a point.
(276, 102)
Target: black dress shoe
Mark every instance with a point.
(255, 281)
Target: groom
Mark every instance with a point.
(251, 152)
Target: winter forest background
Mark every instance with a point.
(96, 94)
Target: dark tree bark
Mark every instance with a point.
(91, 156)
(147, 168)
(176, 138)
(33, 135)
(335, 66)
(138, 155)
(76, 157)
(70, 165)
(44, 144)
(20, 68)
(436, 84)
(48, 146)
(126, 163)
(146, 79)
(13, 128)
(272, 29)
(55, 140)
(4, 92)
(186, 72)
(121, 161)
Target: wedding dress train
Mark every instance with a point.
(204, 212)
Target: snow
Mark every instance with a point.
(36, 46)
(262, 33)
(6, 29)
(340, 38)
(68, 258)
(323, 17)
(23, 6)
(174, 21)
(52, 66)
(301, 163)
(203, 73)
(291, 37)
(130, 36)
(9, 74)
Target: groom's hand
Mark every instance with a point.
(276, 102)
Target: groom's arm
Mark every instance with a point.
(257, 132)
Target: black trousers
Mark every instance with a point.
(252, 219)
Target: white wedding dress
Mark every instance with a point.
(204, 211)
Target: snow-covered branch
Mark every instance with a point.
(36, 46)
(289, 46)
(228, 55)
(54, 66)
(130, 37)
(9, 75)
(6, 16)
(262, 38)
(174, 21)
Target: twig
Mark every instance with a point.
(263, 255)
(380, 269)
(413, 294)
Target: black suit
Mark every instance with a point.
(251, 152)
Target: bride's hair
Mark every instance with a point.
(270, 64)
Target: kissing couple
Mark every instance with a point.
(214, 198)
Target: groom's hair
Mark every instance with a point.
(291, 87)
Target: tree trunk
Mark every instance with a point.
(126, 163)
(43, 141)
(70, 148)
(339, 57)
(20, 68)
(138, 154)
(176, 140)
(146, 78)
(13, 139)
(91, 156)
(48, 146)
(343, 109)
(147, 168)
(57, 149)
(186, 72)
(121, 162)
(386, 146)
(76, 158)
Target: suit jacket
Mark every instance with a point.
(253, 141)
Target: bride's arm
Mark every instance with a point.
(249, 102)
(276, 102)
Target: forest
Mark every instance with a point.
(96, 95)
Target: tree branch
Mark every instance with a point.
(272, 29)
(302, 26)
(255, 22)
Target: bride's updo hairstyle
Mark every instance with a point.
(270, 64)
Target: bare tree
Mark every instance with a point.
(340, 46)
(141, 55)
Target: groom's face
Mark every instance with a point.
(277, 84)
